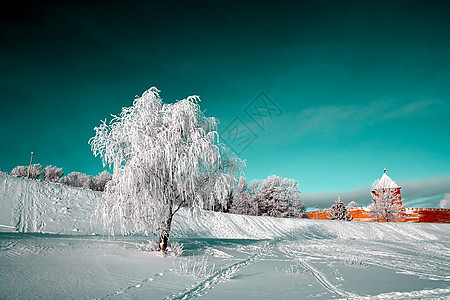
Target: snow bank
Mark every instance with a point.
(206, 224)
(35, 206)
(39, 206)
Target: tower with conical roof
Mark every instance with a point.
(386, 183)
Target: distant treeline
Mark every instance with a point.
(273, 196)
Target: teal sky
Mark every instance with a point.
(360, 86)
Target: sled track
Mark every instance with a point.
(324, 282)
(219, 276)
(319, 276)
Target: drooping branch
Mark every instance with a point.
(164, 156)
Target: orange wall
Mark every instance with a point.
(416, 215)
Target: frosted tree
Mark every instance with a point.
(52, 174)
(75, 179)
(164, 156)
(385, 205)
(269, 201)
(295, 206)
(339, 212)
(279, 197)
(243, 203)
(95, 183)
(35, 172)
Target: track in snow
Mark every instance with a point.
(324, 281)
(221, 276)
(319, 276)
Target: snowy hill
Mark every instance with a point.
(226, 256)
(39, 206)
(36, 206)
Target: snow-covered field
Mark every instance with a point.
(226, 256)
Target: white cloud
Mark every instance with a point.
(324, 119)
(445, 203)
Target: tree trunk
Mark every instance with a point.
(163, 239)
(164, 236)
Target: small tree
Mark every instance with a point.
(385, 206)
(164, 156)
(52, 174)
(339, 212)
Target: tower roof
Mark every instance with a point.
(385, 182)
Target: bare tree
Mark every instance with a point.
(164, 156)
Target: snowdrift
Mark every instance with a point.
(36, 206)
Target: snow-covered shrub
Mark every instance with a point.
(339, 212)
(164, 156)
(294, 269)
(357, 261)
(197, 267)
(75, 179)
(21, 171)
(52, 174)
(35, 171)
(385, 205)
(175, 249)
(150, 246)
(89, 183)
